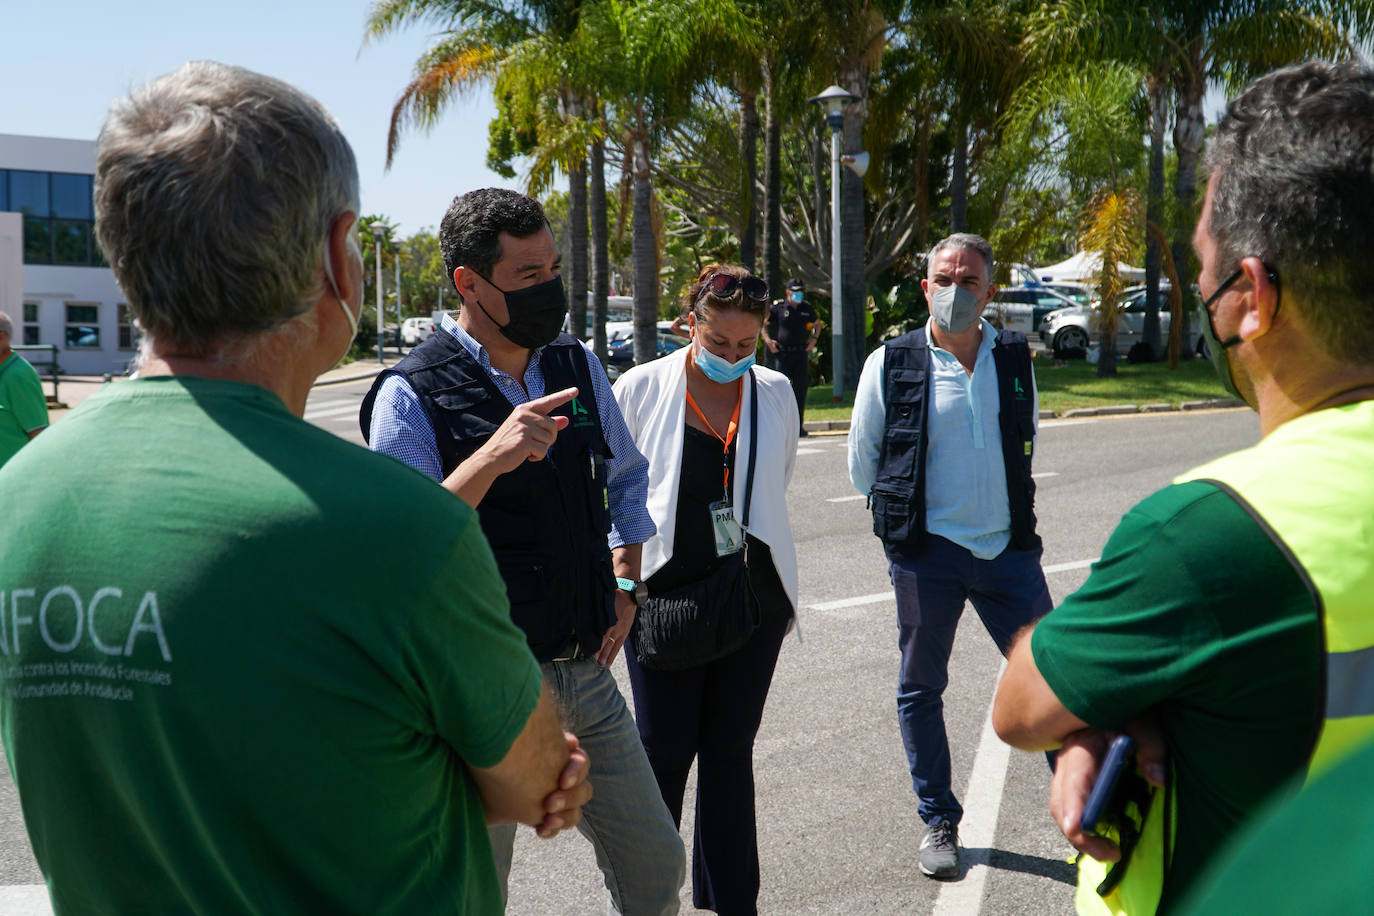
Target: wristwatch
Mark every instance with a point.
(638, 591)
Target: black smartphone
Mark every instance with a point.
(1099, 801)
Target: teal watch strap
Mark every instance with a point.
(625, 585)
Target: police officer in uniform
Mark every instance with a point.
(790, 333)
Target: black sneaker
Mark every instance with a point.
(940, 850)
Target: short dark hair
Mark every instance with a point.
(698, 302)
(1294, 165)
(469, 236)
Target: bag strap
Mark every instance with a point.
(753, 446)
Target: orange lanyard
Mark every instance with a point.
(730, 431)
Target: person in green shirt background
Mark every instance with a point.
(23, 407)
(212, 699)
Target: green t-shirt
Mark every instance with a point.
(23, 406)
(1311, 855)
(1195, 613)
(245, 661)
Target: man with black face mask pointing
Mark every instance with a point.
(518, 420)
(941, 440)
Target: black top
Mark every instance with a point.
(790, 322)
(701, 483)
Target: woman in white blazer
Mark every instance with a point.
(690, 414)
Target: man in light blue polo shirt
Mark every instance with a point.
(941, 441)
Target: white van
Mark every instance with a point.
(415, 330)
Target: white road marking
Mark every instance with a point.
(810, 451)
(25, 900)
(845, 499)
(1063, 567)
(888, 596)
(852, 602)
(316, 413)
(1058, 423)
(978, 829)
(1045, 474)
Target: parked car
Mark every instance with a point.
(1075, 329)
(415, 330)
(620, 356)
(1023, 308)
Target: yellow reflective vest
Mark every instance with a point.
(1310, 485)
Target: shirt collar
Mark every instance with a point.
(479, 352)
(989, 337)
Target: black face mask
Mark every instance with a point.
(536, 313)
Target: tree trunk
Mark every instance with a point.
(1154, 211)
(749, 162)
(577, 240)
(1189, 133)
(853, 231)
(600, 253)
(921, 187)
(643, 254)
(958, 180)
(772, 182)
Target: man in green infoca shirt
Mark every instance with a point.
(23, 407)
(249, 667)
(1232, 614)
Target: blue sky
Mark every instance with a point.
(64, 62)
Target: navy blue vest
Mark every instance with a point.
(547, 521)
(898, 497)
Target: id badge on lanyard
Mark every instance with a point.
(729, 534)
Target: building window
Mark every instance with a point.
(128, 328)
(31, 333)
(83, 327)
(58, 216)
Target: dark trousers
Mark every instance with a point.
(1008, 592)
(712, 713)
(792, 363)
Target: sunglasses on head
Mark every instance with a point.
(724, 285)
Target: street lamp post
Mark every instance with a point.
(398, 302)
(833, 100)
(379, 229)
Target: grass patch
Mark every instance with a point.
(1075, 384)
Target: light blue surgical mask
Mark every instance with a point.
(721, 370)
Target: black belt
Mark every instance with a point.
(572, 652)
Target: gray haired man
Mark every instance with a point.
(941, 441)
(23, 407)
(206, 707)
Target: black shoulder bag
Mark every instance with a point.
(708, 619)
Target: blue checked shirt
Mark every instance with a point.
(401, 429)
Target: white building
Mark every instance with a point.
(54, 283)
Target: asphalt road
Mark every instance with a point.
(838, 830)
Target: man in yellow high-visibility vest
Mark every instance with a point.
(1233, 612)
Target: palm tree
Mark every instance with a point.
(648, 80)
(527, 52)
(1233, 42)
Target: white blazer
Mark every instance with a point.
(653, 398)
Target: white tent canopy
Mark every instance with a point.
(1083, 268)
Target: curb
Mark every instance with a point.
(1118, 409)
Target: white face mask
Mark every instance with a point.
(355, 251)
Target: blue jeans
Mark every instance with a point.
(637, 846)
(1008, 592)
